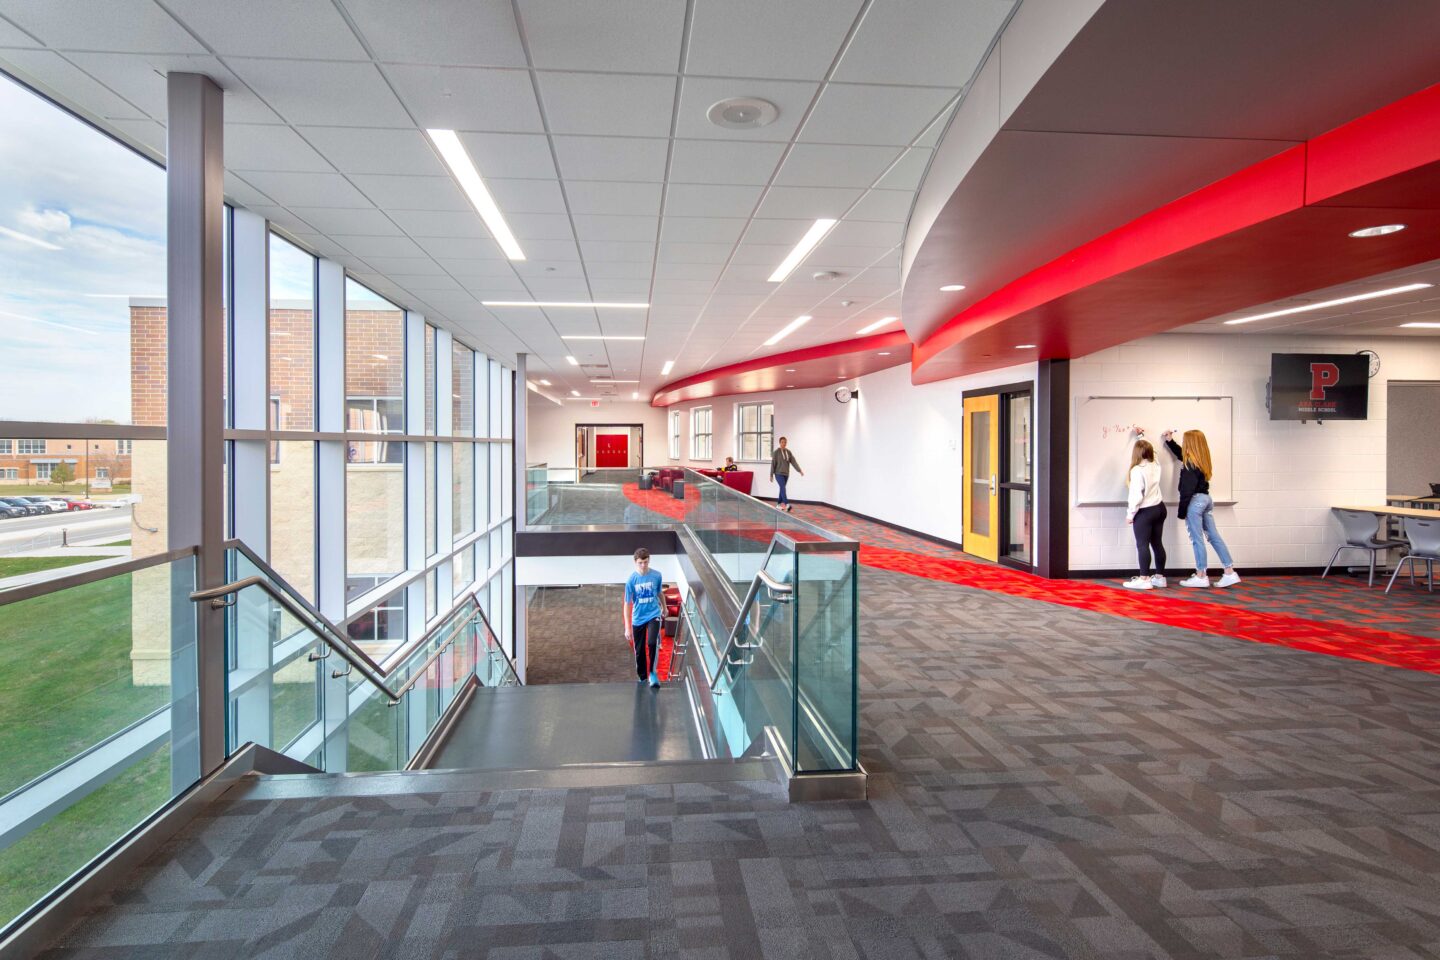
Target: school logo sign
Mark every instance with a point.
(1319, 386)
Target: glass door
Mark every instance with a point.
(1017, 477)
(982, 465)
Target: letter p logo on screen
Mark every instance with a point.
(1322, 377)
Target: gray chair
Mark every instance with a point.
(1424, 545)
(1360, 534)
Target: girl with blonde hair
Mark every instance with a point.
(1146, 514)
(1198, 509)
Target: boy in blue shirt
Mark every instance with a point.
(642, 617)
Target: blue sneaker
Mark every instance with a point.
(654, 680)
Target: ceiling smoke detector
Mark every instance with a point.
(743, 113)
(825, 275)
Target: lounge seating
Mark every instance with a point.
(741, 480)
(1360, 534)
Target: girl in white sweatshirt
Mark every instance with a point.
(1146, 514)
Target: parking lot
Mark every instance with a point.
(21, 535)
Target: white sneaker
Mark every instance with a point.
(1228, 580)
(1157, 581)
(1138, 583)
(1195, 580)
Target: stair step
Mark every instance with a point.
(568, 776)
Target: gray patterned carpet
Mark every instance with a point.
(1046, 782)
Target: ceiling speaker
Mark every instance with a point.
(742, 113)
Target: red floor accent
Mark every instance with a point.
(1393, 649)
(663, 501)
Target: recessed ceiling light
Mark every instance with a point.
(635, 395)
(545, 383)
(574, 393)
(452, 151)
(788, 329)
(742, 113)
(878, 324)
(1329, 303)
(952, 287)
(1378, 231)
(593, 380)
(1024, 346)
(532, 386)
(604, 304)
(572, 361)
(665, 370)
(884, 353)
(789, 386)
(801, 250)
(1422, 325)
(789, 369)
(566, 336)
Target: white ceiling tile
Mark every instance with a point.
(794, 40)
(140, 78)
(860, 233)
(907, 173)
(611, 158)
(887, 205)
(463, 269)
(844, 257)
(467, 248)
(603, 227)
(325, 93)
(461, 32)
(142, 133)
(271, 28)
(13, 36)
(441, 224)
(701, 229)
(644, 35)
(310, 189)
(250, 147)
(527, 196)
(602, 270)
(552, 250)
(607, 104)
(374, 150)
(390, 192)
(370, 247)
(617, 251)
(694, 252)
(518, 155)
(281, 216)
(698, 93)
(709, 272)
(468, 98)
(540, 226)
(427, 282)
(710, 200)
(749, 272)
(495, 288)
(559, 289)
(766, 254)
(53, 74)
(829, 165)
(849, 113)
(242, 192)
(102, 25)
(637, 290)
(630, 199)
(807, 203)
(928, 42)
(787, 232)
(549, 269)
(718, 161)
(323, 246)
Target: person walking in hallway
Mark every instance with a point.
(780, 463)
(1198, 509)
(1146, 515)
(642, 617)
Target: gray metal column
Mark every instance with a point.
(522, 519)
(195, 181)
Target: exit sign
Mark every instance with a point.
(594, 403)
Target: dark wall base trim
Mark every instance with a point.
(1128, 572)
(579, 542)
(941, 541)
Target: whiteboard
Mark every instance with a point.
(1106, 430)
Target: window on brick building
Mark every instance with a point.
(27, 447)
(757, 430)
(292, 337)
(700, 434)
(5, 447)
(9, 473)
(124, 448)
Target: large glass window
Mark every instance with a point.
(462, 390)
(429, 379)
(82, 268)
(292, 514)
(463, 501)
(292, 337)
(757, 430)
(674, 434)
(700, 434)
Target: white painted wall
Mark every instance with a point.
(1287, 474)
(898, 454)
(550, 433)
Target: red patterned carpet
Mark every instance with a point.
(1337, 616)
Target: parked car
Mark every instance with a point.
(27, 509)
(72, 504)
(46, 504)
(7, 511)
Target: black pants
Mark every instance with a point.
(647, 647)
(1149, 525)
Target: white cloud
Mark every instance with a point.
(45, 221)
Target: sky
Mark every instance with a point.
(82, 229)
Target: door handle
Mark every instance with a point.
(992, 484)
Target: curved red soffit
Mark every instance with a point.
(1387, 144)
(816, 366)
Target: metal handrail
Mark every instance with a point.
(499, 646)
(831, 542)
(214, 595)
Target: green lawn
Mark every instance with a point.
(14, 566)
(63, 490)
(117, 543)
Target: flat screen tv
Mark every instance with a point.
(1319, 386)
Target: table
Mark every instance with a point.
(1415, 512)
(1429, 501)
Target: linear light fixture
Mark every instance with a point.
(814, 235)
(453, 152)
(572, 361)
(878, 324)
(574, 393)
(613, 381)
(1421, 325)
(566, 336)
(665, 370)
(1373, 295)
(788, 329)
(26, 238)
(603, 304)
(544, 383)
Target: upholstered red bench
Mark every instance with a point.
(741, 480)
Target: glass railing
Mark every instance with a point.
(537, 491)
(296, 685)
(97, 716)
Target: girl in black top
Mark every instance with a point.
(1198, 509)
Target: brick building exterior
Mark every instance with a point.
(96, 462)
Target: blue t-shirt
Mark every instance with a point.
(643, 591)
